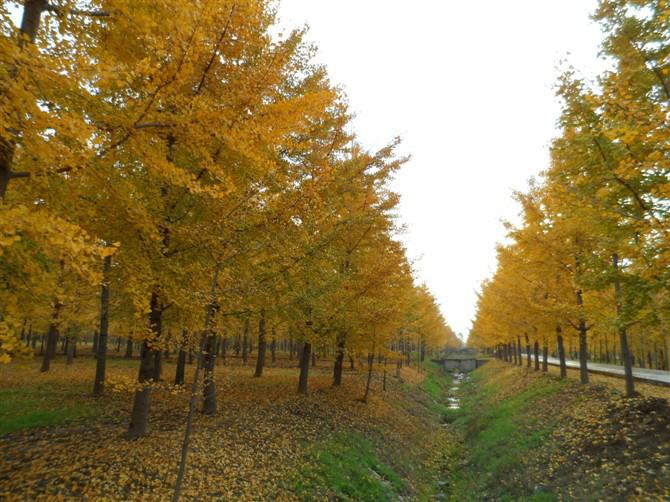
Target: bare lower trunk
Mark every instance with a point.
(545, 356)
(304, 368)
(561, 352)
(262, 344)
(245, 341)
(515, 353)
(371, 360)
(129, 349)
(94, 349)
(536, 349)
(189, 426)
(527, 351)
(339, 361)
(623, 337)
(583, 353)
(209, 385)
(273, 347)
(70, 350)
(139, 418)
(181, 368)
(52, 338)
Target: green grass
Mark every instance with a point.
(43, 405)
(436, 384)
(346, 467)
(498, 436)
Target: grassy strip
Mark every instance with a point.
(498, 431)
(42, 405)
(347, 467)
(372, 466)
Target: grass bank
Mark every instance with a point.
(521, 435)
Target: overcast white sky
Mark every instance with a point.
(468, 85)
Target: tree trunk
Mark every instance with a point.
(339, 361)
(52, 338)
(95, 343)
(536, 348)
(545, 355)
(209, 362)
(527, 350)
(129, 348)
(515, 354)
(102, 335)
(262, 345)
(181, 368)
(189, 420)
(304, 368)
(583, 344)
(139, 418)
(371, 360)
(70, 350)
(623, 337)
(561, 352)
(384, 380)
(245, 341)
(273, 347)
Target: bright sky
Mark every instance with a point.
(469, 87)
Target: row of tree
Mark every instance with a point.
(172, 172)
(591, 259)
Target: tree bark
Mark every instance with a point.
(515, 354)
(371, 360)
(245, 341)
(70, 350)
(262, 345)
(139, 419)
(52, 337)
(545, 355)
(339, 361)
(209, 385)
(583, 344)
(304, 368)
(102, 335)
(561, 352)
(527, 350)
(94, 349)
(181, 368)
(623, 337)
(129, 348)
(273, 347)
(536, 349)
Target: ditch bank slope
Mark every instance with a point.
(524, 435)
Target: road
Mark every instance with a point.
(646, 375)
